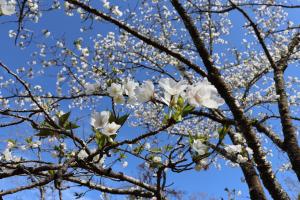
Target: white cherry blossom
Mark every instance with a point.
(119, 99)
(241, 159)
(145, 92)
(100, 119)
(115, 90)
(7, 155)
(106, 4)
(111, 129)
(204, 94)
(232, 149)
(7, 7)
(117, 11)
(129, 87)
(199, 147)
(91, 88)
(157, 159)
(172, 87)
(82, 154)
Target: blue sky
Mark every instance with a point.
(211, 182)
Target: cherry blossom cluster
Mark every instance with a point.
(7, 7)
(100, 121)
(199, 94)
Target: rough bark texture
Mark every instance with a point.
(289, 131)
(256, 190)
(290, 138)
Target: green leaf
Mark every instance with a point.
(180, 102)
(177, 117)
(101, 139)
(166, 119)
(70, 125)
(44, 133)
(156, 150)
(112, 117)
(12, 141)
(138, 149)
(51, 172)
(63, 119)
(222, 132)
(187, 109)
(168, 148)
(28, 140)
(191, 139)
(121, 120)
(123, 156)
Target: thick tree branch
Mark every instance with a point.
(215, 78)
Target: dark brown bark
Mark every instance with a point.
(290, 137)
(215, 78)
(252, 178)
(289, 131)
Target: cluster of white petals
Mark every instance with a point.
(91, 88)
(157, 159)
(200, 94)
(116, 91)
(199, 147)
(7, 7)
(237, 150)
(130, 88)
(172, 87)
(100, 120)
(7, 153)
(233, 149)
(204, 94)
(145, 92)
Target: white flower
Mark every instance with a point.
(202, 163)
(35, 144)
(145, 92)
(119, 99)
(111, 129)
(199, 147)
(129, 87)
(125, 164)
(233, 149)
(100, 119)
(241, 159)
(85, 52)
(115, 90)
(91, 88)
(63, 146)
(249, 150)
(147, 145)
(23, 147)
(82, 154)
(116, 11)
(106, 4)
(157, 159)
(7, 155)
(172, 87)
(7, 7)
(10, 144)
(204, 94)
(96, 158)
(169, 99)
(46, 33)
(11, 34)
